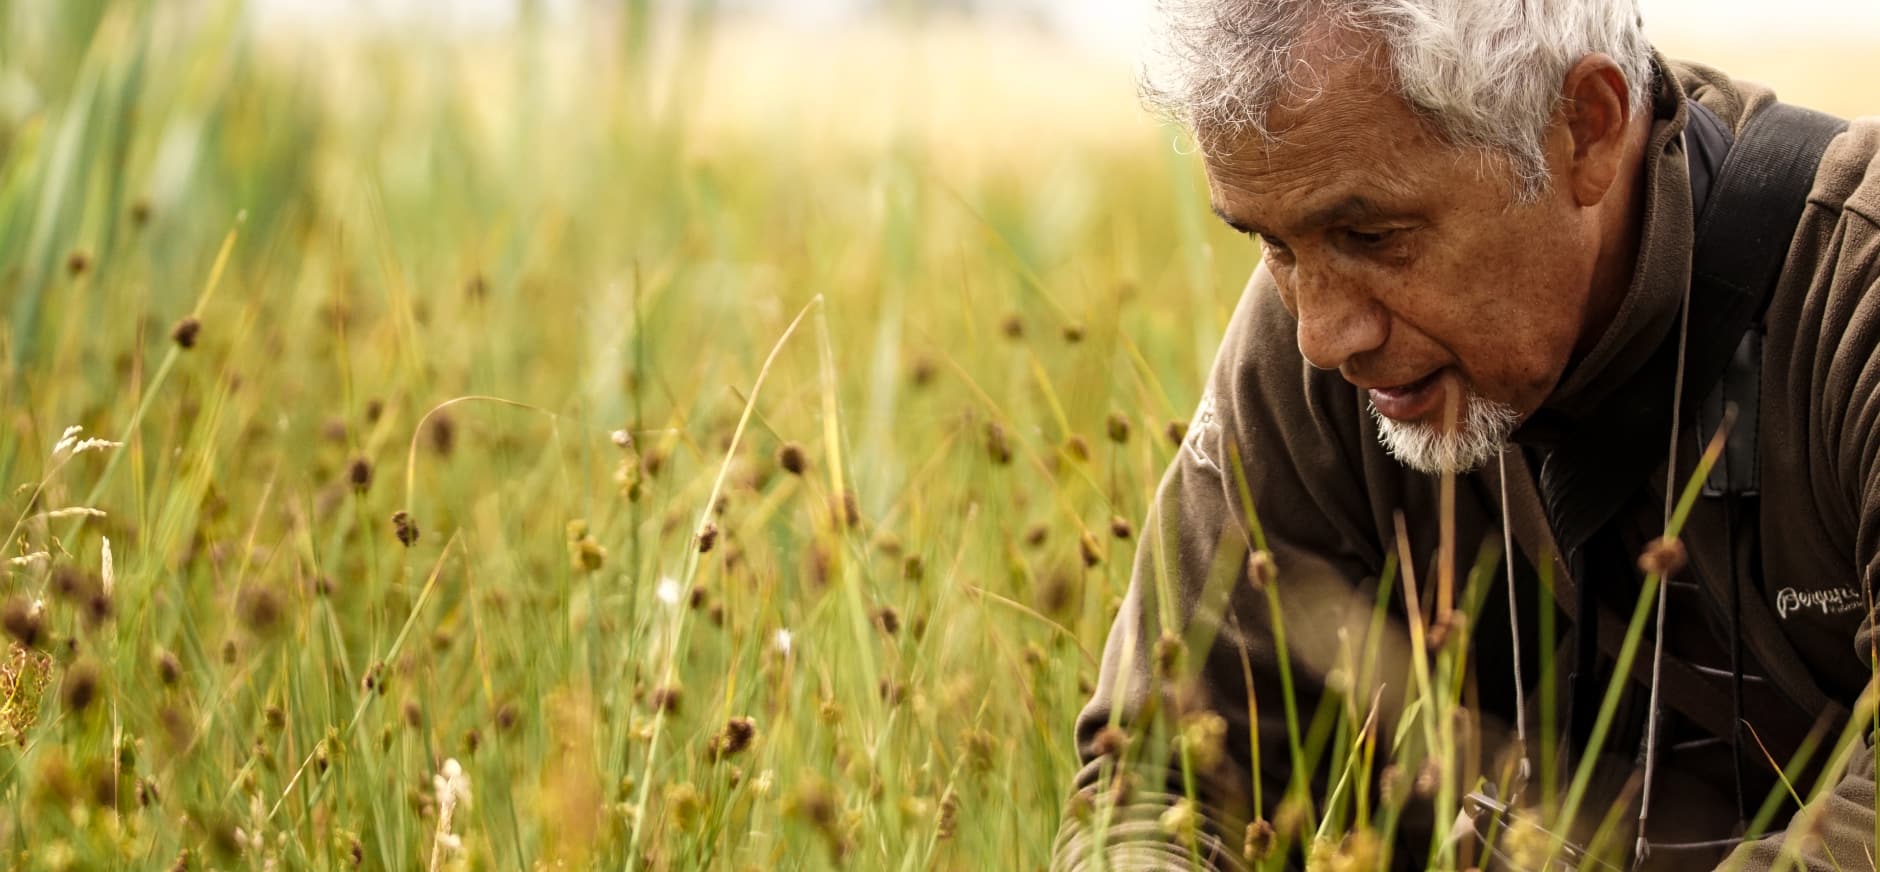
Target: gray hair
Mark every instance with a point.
(1484, 74)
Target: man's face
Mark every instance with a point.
(1409, 265)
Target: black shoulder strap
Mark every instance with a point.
(1752, 203)
(1746, 220)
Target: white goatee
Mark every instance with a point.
(1431, 448)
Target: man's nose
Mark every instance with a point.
(1338, 320)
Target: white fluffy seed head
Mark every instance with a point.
(1484, 74)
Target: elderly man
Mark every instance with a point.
(1518, 273)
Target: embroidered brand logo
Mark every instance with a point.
(1832, 601)
(1205, 430)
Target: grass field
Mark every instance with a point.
(438, 278)
(644, 441)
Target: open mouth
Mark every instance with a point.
(1411, 401)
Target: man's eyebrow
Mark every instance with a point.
(1354, 208)
(1238, 225)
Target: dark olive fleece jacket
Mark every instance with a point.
(1300, 444)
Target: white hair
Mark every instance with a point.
(1484, 74)
(1435, 449)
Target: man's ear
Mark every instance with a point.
(1595, 106)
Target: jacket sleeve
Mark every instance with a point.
(1832, 832)
(1836, 829)
(1194, 634)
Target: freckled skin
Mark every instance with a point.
(1444, 272)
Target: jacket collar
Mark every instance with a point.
(1648, 312)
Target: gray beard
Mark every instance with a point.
(1425, 447)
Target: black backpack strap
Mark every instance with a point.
(1746, 220)
(1751, 206)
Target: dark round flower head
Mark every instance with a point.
(186, 331)
(792, 459)
(405, 528)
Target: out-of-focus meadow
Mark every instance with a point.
(634, 438)
(849, 630)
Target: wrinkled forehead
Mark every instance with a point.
(1346, 138)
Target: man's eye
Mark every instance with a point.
(1273, 246)
(1370, 238)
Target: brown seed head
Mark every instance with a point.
(913, 568)
(506, 716)
(333, 429)
(980, 747)
(359, 472)
(996, 446)
(1037, 534)
(1429, 778)
(140, 211)
(1076, 448)
(1261, 570)
(891, 691)
(586, 555)
(1013, 327)
(1073, 333)
(792, 459)
(78, 262)
(1181, 820)
(443, 433)
(949, 821)
(405, 528)
(1091, 549)
(24, 623)
(1176, 432)
(666, 698)
(734, 738)
(888, 544)
(1111, 741)
(1057, 593)
(888, 620)
(1259, 842)
(1118, 426)
(260, 608)
(1033, 655)
(168, 668)
(81, 685)
(1663, 557)
(1120, 527)
(707, 537)
(922, 372)
(1204, 738)
(1169, 649)
(185, 332)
